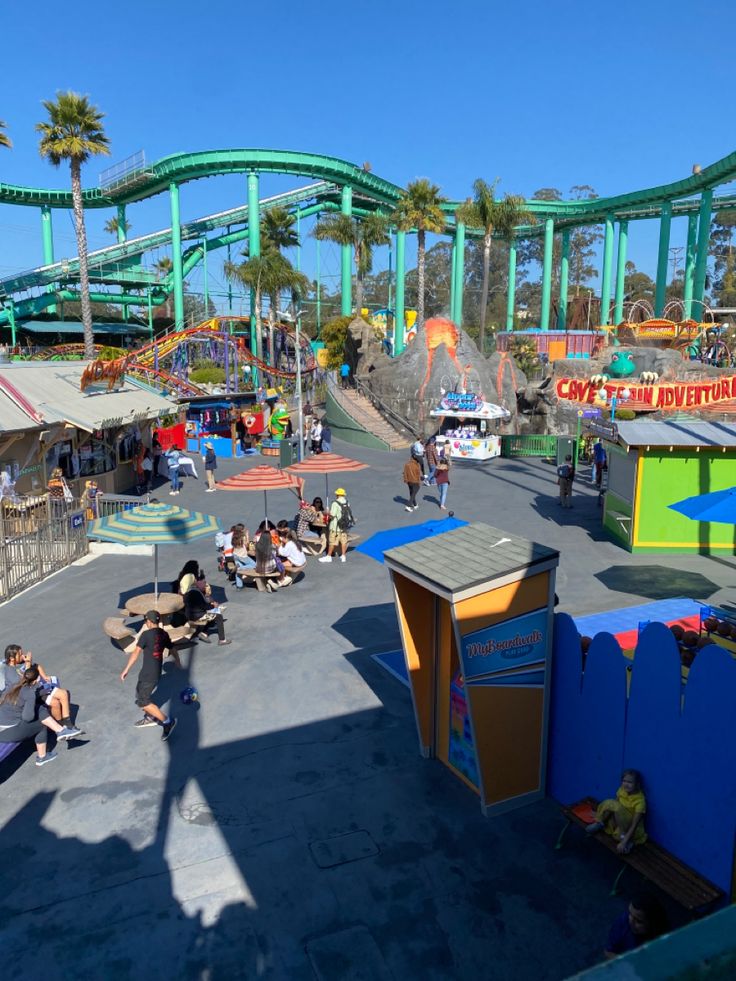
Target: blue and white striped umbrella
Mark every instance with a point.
(154, 524)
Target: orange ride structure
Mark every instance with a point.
(164, 362)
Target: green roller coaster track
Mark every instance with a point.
(343, 186)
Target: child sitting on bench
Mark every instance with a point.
(623, 818)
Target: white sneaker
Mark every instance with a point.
(325, 558)
(210, 490)
(408, 508)
(343, 559)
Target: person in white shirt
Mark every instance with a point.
(417, 452)
(290, 551)
(316, 436)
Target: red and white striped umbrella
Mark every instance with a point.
(262, 478)
(327, 463)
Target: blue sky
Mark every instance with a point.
(536, 93)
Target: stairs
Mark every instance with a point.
(368, 418)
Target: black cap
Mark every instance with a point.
(152, 616)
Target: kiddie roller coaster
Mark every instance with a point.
(165, 362)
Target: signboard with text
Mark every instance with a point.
(505, 646)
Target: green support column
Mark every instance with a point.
(511, 296)
(663, 258)
(254, 249)
(453, 266)
(390, 274)
(549, 236)
(176, 257)
(687, 291)
(122, 236)
(701, 256)
(319, 294)
(47, 234)
(459, 274)
(623, 243)
(399, 312)
(564, 279)
(230, 282)
(204, 275)
(607, 267)
(346, 258)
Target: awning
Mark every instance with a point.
(75, 327)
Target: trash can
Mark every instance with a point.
(565, 445)
(287, 452)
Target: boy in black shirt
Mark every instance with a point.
(152, 644)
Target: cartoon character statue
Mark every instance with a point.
(279, 421)
(621, 366)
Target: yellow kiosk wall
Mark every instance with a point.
(415, 607)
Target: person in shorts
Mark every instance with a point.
(338, 531)
(152, 643)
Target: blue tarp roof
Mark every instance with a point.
(382, 541)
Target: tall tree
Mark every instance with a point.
(74, 133)
(278, 229)
(490, 215)
(724, 258)
(163, 268)
(112, 225)
(4, 138)
(583, 242)
(420, 208)
(363, 235)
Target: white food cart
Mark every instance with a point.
(465, 422)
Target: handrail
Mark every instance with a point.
(385, 408)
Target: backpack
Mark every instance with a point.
(346, 520)
(564, 471)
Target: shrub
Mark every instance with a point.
(334, 335)
(207, 374)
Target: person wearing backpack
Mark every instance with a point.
(341, 521)
(565, 477)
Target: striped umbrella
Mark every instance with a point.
(262, 478)
(154, 524)
(327, 463)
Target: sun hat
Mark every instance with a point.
(341, 492)
(209, 445)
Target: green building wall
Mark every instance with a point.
(665, 477)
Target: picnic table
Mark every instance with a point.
(166, 604)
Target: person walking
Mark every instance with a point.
(412, 479)
(210, 465)
(417, 452)
(345, 375)
(172, 461)
(326, 438)
(599, 462)
(430, 453)
(147, 471)
(565, 477)
(315, 435)
(152, 643)
(442, 476)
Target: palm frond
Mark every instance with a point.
(4, 138)
(419, 207)
(74, 130)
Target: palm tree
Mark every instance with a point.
(363, 235)
(112, 225)
(4, 138)
(501, 217)
(420, 207)
(277, 229)
(163, 268)
(74, 133)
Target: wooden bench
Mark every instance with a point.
(679, 881)
(313, 546)
(259, 578)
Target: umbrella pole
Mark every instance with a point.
(265, 504)
(327, 492)
(155, 572)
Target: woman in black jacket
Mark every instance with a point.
(196, 607)
(18, 718)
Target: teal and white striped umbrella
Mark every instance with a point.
(154, 524)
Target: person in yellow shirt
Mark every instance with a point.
(623, 818)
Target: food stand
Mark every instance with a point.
(464, 426)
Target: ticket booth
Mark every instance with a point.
(475, 609)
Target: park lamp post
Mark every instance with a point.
(603, 396)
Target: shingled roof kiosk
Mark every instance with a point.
(475, 608)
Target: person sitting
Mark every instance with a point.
(266, 563)
(48, 691)
(241, 556)
(623, 818)
(306, 516)
(191, 575)
(270, 527)
(290, 552)
(18, 719)
(197, 608)
(644, 920)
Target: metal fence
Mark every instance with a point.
(38, 536)
(529, 446)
